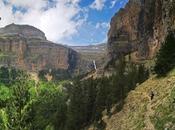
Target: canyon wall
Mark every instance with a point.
(25, 47)
(140, 28)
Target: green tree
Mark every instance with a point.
(49, 109)
(166, 56)
(17, 105)
(4, 75)
(76, 107)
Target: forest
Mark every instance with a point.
(65, 104)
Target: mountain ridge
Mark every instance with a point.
(32, 51)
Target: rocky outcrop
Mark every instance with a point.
(25, 47)
(140, 28)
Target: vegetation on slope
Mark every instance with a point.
(164, 113)
(140, 112)
(27, 105)
(75, 104)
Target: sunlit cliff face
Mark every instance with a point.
(140, 28)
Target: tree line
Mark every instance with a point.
(64, 105)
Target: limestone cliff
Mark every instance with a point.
(140, 28)
(27, 48)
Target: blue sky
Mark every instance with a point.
(72, 22)
(97, 25)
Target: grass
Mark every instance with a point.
(165, 113)
(160, 111)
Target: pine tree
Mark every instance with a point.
(166, 56)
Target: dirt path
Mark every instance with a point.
(148, 114)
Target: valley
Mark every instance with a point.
(124, 83)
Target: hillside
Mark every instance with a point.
(141, 113)
(139, 30)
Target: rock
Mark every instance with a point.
(140, 28)
(25, 47)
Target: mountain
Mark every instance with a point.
(26, 47)
(99, 48)
(140, 28)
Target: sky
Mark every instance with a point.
(71, 22)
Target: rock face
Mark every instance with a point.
(140, 28)
(26, 47)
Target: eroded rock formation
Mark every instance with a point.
(27, 48)
(140, 28)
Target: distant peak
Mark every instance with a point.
(24, 30)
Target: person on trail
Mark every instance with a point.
(151, 95)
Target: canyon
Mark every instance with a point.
(26, 47)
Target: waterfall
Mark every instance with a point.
(95, 67)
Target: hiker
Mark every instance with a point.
(152, 95)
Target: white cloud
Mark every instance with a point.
(113, 2)
(37, 4)
(102, 25)
(98, 4)
(58, 22)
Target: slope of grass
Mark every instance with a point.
(142, 113)
(165, 113)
